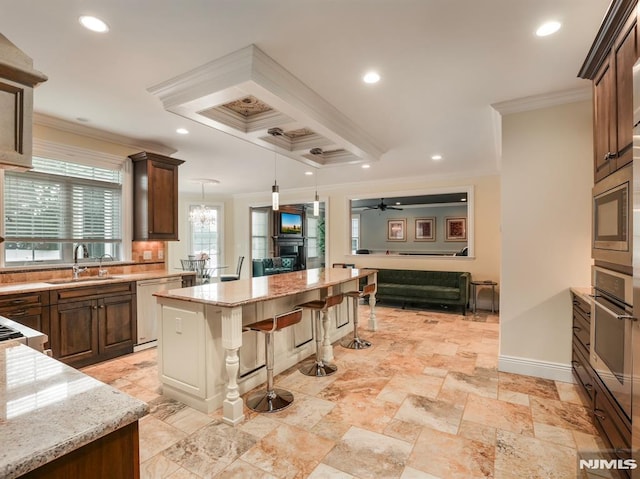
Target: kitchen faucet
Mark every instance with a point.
(104, 272)
(85, 254)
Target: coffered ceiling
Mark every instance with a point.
(442, 65)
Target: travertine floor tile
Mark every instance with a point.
(424, 402)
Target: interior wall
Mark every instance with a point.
(547, 176)
(373, 229)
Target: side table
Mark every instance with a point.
(474, 293)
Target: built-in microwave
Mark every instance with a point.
(612, 207)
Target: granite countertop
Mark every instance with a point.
(231, 294)
(26, 287)
(48, 409)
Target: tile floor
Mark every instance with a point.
(425, 401)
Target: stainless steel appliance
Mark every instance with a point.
(12, 330)
(147, 308)
(611, 329)
(612, 211)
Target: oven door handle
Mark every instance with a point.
(614, 314)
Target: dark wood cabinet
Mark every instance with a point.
(93, 324)
(17, 81)
(581, 345)
(155, 197)
(30, 309)
(609, 64)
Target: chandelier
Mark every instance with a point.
(202, 215)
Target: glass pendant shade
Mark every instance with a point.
(275, 197)
(316, 205)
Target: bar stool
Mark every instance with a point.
(273, 399)
(319, 368)
(356, 342)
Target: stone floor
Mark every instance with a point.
(425, 401)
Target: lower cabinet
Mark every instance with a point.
(92, 324)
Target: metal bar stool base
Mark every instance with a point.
(264, 402)
(355, 343)
(318, 369)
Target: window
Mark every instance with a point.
(58, 204)
(355, 233)
(206, 238)
(259, 233)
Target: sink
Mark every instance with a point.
(79, 280)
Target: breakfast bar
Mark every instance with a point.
(200, 334)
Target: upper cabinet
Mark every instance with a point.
(17, 80)
(609, 64)
(155, 197)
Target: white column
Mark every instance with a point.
(232, 406)
(327, 348)
(373, 322)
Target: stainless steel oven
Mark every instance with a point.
(612, 212)
(611, 324)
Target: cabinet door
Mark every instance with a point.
(74, 332)
(625, 55)
(163, 201)
(116, 321)
(604, 130)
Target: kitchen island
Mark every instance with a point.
(201, 332)
(57, 422)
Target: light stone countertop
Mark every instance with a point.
(15, 288)
(231, 294)
(48, 409)
(586, 293)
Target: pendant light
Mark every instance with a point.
(316, 200)
(203, 215)
(275, 189)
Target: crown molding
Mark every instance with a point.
(101, 135)
(536, 102)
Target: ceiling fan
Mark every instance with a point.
(382, 206)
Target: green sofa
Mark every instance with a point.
(431, 287)
(269, 266)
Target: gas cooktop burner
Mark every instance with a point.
(7, 333)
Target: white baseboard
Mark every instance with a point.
(533, 367)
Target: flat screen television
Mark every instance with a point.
(291, 224)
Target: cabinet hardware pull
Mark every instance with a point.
(101, 306)
(18, 301)
(588, 387)
(599, 414)
(21, 312)
(575, 363)
(588, 345)
(577, 328)
(610, 156)
(94, 307)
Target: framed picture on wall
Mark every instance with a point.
(425, 229)
(397, 230)
(455, 229)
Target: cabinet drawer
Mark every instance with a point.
(608, 419)
(582, 306)
(581, 330)
(88, 292)
(16, 301)
(582, 370)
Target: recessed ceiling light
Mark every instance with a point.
(548, 28)
(93, 23)
(436, 157)
(365, 166)
(371, 77)
(308, 173)
(182, 131)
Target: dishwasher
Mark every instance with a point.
(147, 308)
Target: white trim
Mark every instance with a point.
(532, 367)
(90, 132)
(536, 102)
(75, 154)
